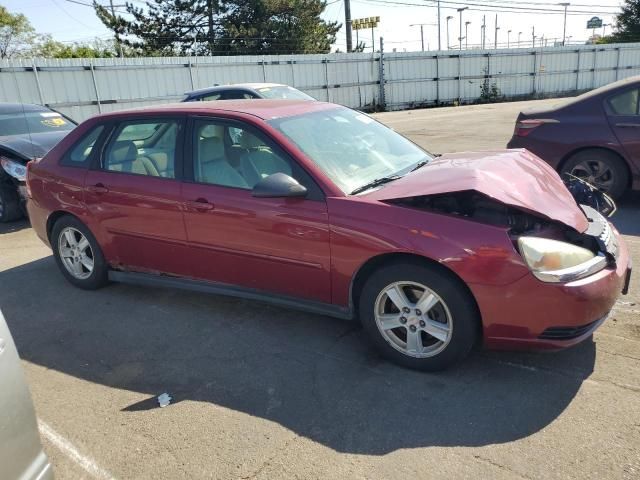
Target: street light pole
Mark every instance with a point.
(564, 30)
(495, 43)
(466, 34)
(484, 30)
(519, 33)
(533, 37)
(508, 35)
(439, 45)
(460, 10)
(604, 28)
(448, 45)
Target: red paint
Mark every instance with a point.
(313, 249)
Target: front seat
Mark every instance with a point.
(259, 161)
(123, 157)
(214, 167)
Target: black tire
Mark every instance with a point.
(619, 174)
(99, 276)
(9, 203)
(464, 316)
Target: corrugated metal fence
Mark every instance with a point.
(84, 87)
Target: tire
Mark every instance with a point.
(453, 318)
(74, 260)
(587, 164)
(9, 203)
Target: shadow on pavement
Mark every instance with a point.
(627, 218)
(16, 226)
(313, 375)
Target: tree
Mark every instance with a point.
(627, 24)
(210, 27)
(16, 34)
(50, 48)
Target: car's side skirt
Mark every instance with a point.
(302, 304)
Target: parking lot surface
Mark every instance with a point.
(261, 392)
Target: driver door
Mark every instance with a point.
(278, 245)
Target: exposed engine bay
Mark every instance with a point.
(481, 208)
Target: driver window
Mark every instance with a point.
(233, 157)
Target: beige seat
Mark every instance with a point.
(123, 157)
(259, 161)
(213, 166)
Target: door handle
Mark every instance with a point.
(97, 188)
(201, 205)
(628, 125)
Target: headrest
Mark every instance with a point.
(209, 131)
(210, 148)
(249, 141)
(123, 152)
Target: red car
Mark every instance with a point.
(318, 207)
(595, 136)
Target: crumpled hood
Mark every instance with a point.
(34, 146)
(513, 177)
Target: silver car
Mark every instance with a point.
(21, 454)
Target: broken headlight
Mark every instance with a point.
(555, 261)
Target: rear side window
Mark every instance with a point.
(625, 103)
(81, 151)
(143, 148)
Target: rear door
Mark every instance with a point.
(133, 194)
(623, 111)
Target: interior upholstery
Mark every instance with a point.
(213, 167)
(259, 161)
(123, 157)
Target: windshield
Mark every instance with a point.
(23, 123)
(283, 91)
(351, 148)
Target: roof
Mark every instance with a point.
(266, 109)
(249, 86)
(21, 107)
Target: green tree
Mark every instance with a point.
(627, 24)
(16, 34)
(218, 27)
(50, 48)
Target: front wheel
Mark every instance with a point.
(78, 254)
(418, 316)
(9, 203)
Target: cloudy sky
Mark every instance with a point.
(70, 20)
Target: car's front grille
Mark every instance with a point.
(568, 333)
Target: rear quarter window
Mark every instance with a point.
(625, 103)
(79, 154)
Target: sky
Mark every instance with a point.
(69, 21)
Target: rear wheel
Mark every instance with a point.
(601, 168)
(9, 203)
(419, 316)
(78, 254)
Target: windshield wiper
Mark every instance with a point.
(375, 183)
(419, 165)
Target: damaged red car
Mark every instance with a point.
(318, 207)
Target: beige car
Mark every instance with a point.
(21, 454)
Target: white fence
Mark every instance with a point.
(83, 87)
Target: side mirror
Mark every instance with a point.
(278, 185)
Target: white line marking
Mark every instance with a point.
(72, 452)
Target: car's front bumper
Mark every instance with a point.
(531, 314)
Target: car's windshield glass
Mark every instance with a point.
(283, 92)
(351, 148)
(19, 123)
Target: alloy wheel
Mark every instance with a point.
(413, 319)
(596, 172)
(75, 252)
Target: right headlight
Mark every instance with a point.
(555, 261)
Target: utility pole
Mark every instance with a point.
(564, 30)
(460, 38)
(495, 44)
(533, 37)
(347, 22)
(118, 44)
(422, 25)
(439, 45)
(519, 33)
(508, 35)
(484, 29)
(448, 45)
(466, 35)
(604, 28)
